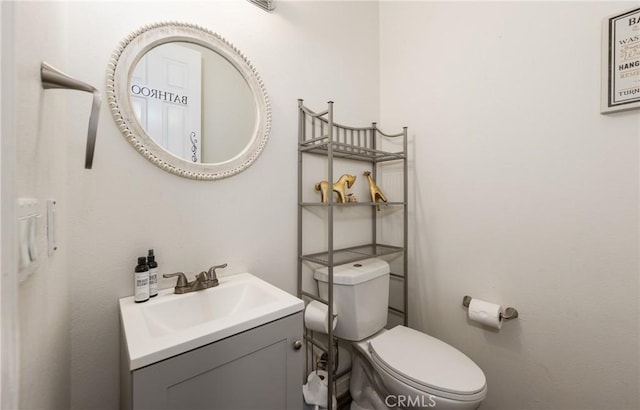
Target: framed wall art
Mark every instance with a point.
(621, 62)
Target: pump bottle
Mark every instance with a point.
(153, 274)
(141, 281)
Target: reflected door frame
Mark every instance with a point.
(166, 94)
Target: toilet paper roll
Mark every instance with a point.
(320, 375)
(316, 317)
(315, 391)
(486, 313)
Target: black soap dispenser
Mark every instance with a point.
(153, 274)
(141, 281)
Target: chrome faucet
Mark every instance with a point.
(211, 275)
(184, 286)
(203, 280)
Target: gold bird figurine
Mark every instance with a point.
(374, 190)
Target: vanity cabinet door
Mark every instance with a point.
(256, 369)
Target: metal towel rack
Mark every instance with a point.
(54, 78)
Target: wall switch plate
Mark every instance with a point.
(52, 244)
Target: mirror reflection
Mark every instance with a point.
(193, 102)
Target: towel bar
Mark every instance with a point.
(54, 78)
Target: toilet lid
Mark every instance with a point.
(427, 361)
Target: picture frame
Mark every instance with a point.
(621, 62)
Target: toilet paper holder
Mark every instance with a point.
(509, 313)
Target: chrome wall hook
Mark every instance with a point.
(508, 314)
(54, 78)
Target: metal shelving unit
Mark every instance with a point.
(319, 135)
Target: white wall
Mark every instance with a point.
(521, 193)
(126, 205)
(41, 134)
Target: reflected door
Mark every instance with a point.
(166, 97)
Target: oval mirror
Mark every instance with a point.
(188, 101)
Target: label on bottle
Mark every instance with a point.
(141, 285)
(153, 282)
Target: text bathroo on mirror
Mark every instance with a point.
(159, 94)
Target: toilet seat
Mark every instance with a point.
(427, 364)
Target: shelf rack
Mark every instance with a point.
(318, 134)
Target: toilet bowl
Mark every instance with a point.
(401, 367)
(404, 368)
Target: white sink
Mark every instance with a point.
(170, 324)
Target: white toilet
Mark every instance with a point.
(401, 367)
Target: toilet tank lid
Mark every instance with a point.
(354, 272)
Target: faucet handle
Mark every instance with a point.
(212, 273)
(182, 279)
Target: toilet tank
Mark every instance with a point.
(360, 295)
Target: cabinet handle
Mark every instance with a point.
(297, 345)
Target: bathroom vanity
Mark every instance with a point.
(239, 350)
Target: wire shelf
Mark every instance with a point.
(356, 253)
(349, 151)
(319, 134)
(340, 204)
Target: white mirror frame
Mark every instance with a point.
(119, 72)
